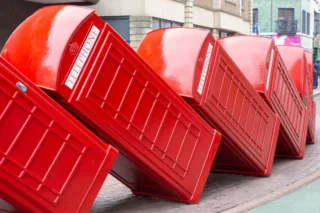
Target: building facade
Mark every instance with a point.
(134, 18)
(289, 22)
(13, 12)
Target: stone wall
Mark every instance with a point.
(139, 26)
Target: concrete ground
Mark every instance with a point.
(223, 192)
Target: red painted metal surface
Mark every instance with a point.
(201, 72)
(293, 58)
(166, 149)
(49, 162)
(309, 58)
(260, 62)
(311, 138)
(314, 109)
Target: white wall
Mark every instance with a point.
(119, 7)
(165, 9)
(171, 10)
(203, 17)
(307, 42)
(316, 5)
(232, 23)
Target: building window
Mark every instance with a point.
(316, 22)
(119, 24)
(286, 22)
(161, 23)
(242, 4)
(303, 21)
(255, 16)
(286, 14)
(308, 23)
(223, 34)
(206, 28)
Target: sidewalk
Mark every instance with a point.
(305, 200)
(316, 92)
(223, 192)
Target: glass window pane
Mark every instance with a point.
(308, 23)
(121, 25)
(175, 24)
(165, 24)
(155, 24)
(255, 16)
(223, 34)
(281, 13)
(159, 23)
(289, 14)
(303, 21)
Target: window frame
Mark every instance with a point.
(242, 4)
(303, 20)
(286, 10)
(308, 23)
(205, 28)
(172, 23)
(255, 15)
(126, 18)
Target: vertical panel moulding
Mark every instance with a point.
(270, 70)
(205, 69)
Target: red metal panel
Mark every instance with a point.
(309, 104)
(49, 162)
(200, 71)
(314, 108)
(167, 150)
(295, 61)
(293, 58)
(260, 62)
(310, 65)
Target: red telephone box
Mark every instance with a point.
(49, 162)
(309, 58)
(295, 60)
(259, 60)
(166, 149)
(311, 132)
(201, 72)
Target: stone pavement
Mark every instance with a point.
(223, 192)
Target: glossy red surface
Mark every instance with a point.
(309, 58)
(42, 40)
(253, 59)
(260, 62)
(46, 154)
(314, 111)
(201, 72)
(293, 58)
(296, 63)
(311, 138)
(166, 149)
